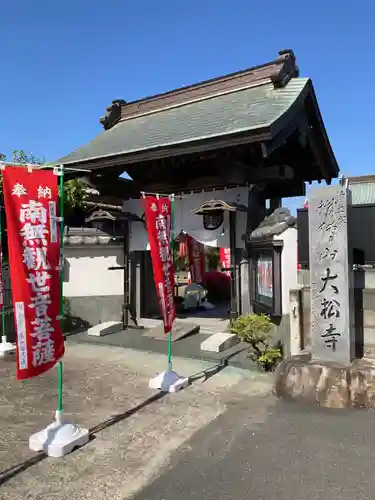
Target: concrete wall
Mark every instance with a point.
(289, 277)
(95, 293)
(289, 280)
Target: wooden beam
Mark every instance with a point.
(267, 173)
(284, 189)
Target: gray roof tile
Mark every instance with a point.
(238, 111)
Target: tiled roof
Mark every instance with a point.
(233, 112)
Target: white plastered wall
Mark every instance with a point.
(86, 271)
(193, 224)
(289, 275)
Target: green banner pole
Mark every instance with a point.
(172, 251)
(5, 346)
(3, 334)
(61, 218)
(2, 284)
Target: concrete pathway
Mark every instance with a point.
(135, 432)
(274, 450)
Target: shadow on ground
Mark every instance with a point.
(12, 472)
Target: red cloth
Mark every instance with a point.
(31, 204)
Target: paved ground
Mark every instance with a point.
(134, 432)
(188, 347)
(274, 450)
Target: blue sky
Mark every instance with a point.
(62, 63)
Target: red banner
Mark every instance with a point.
(225, 259)
(196, 259)
(2, 286)
(31, 201)
(159, 225)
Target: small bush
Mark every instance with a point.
(269, 358)
(256, 330)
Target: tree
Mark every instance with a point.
(74, 189)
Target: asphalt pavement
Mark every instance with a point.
(266, 449)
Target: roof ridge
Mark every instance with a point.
(278, 71)
(187, 103)
(207, 97)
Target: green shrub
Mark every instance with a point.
(269, 358)
(256, 330)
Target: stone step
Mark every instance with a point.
(211, 331)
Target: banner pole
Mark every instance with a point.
(5, 346)
(60, 437)
(3, 334)
(172, 250)
(61, 215)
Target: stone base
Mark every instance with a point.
(219, 342)
(105, 328)
(326, 384)
(59, 438)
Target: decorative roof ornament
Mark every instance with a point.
(218, 205)
(273, 225)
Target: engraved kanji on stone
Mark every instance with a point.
(330, 336)
(327, 278)
(330, 308)
(328, 253)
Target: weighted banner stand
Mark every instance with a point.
(169, 381)
(61, 437)
(5, 346)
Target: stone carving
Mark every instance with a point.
(274, 224)
(331, 318)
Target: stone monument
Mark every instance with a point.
(328, 375)
(332, 315)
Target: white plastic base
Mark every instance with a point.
(59, 438)
(6, 347)
(168, 381)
